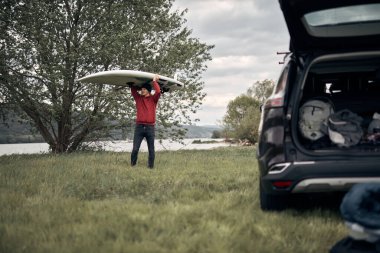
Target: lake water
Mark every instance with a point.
(117, 146)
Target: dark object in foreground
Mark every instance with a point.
(362, 205)
(349, 245)
(360, 209)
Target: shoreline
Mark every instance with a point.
(121, 146)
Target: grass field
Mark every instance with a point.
(193, 201)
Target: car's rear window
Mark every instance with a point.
(357, 20)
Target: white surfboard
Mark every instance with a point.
(131, 77)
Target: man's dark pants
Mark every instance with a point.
(141, 132)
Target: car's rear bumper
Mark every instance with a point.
(319, 176)
(331, 184)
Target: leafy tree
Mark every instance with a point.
(45, 45)
(242, 118)
(261, 90)
(243, 113)
(216, 134)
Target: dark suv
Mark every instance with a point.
(335, 57)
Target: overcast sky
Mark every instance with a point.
(247, 34)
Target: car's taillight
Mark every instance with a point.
(275, 101)
(282, 184)
(277, 98)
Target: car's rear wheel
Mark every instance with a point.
(269, 202)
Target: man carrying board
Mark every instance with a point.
(146, 105)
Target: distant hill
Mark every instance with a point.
(17, 130)
(20, 131)
(200, 131)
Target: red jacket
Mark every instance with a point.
(146, 106)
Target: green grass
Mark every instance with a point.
(193, 201)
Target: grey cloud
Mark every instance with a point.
(241, 33)
(246, 34)
(241, 22)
